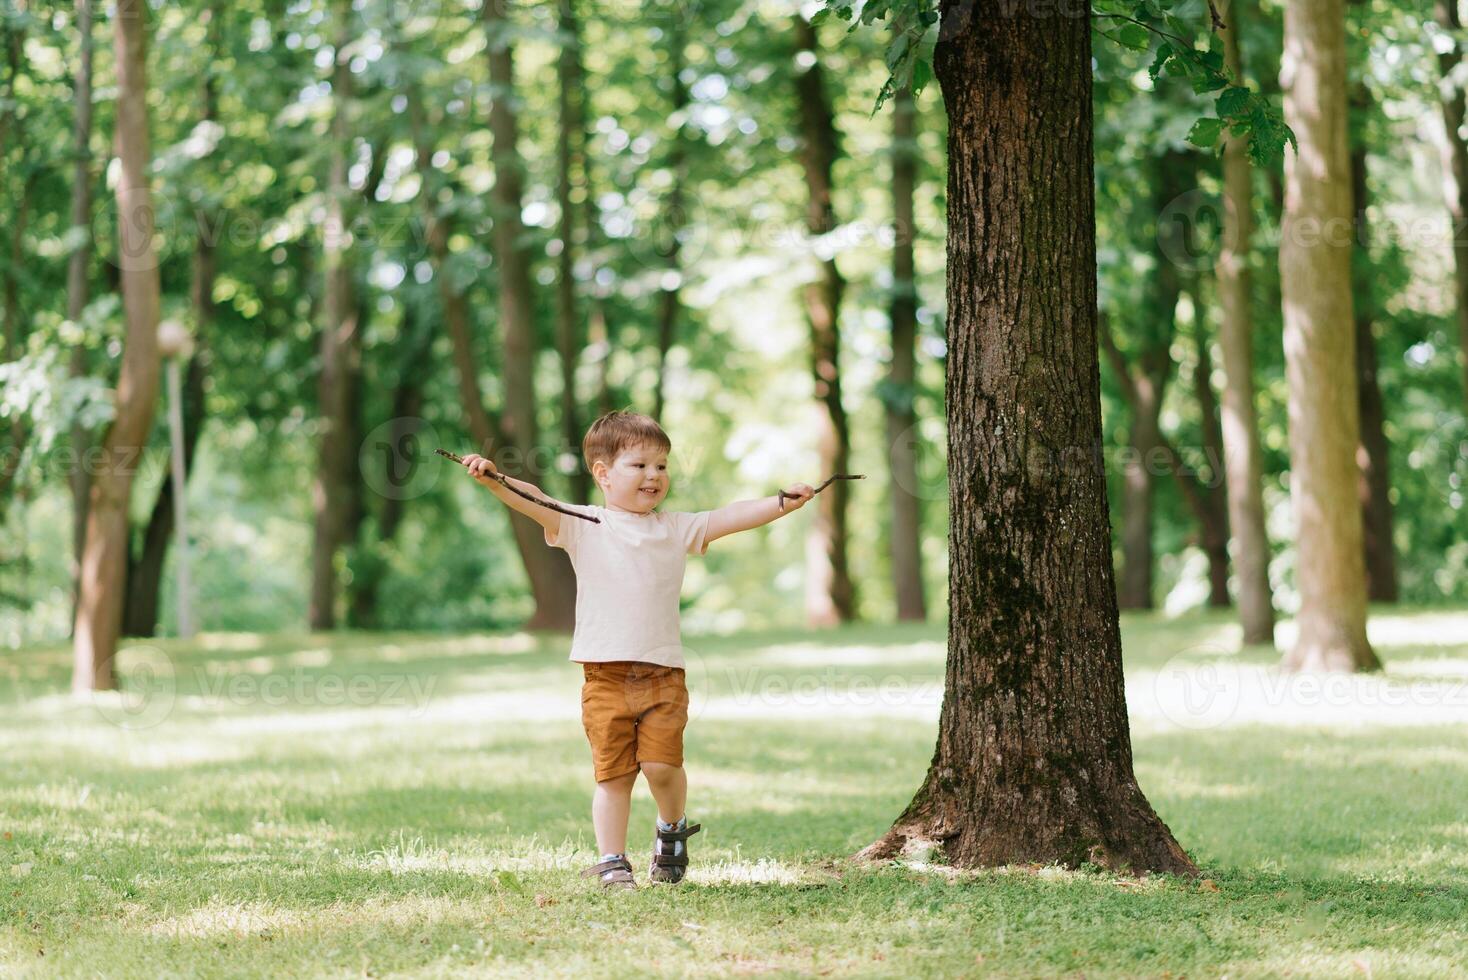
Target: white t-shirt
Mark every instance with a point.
(629, 574)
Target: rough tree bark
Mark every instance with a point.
(830, 593)
(1320, 345)
(901, 415)
(1033, 760)
(1241, 454)
(104, 558)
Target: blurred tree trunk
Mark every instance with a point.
(77, 284)
(407, 408)
(573, 181)
(355, 487)
(599, 338)
(104, 558)
(552, 581)
(1144, 385)
(830, 596)
(1033, 760)
(12, 131)
(669, 307)
(1455, 162)
(1320, 347)
(341, 352)
(145, 569)
(1372, 454)
(900, 411)
(1142, 390)
(1243, 468)
(1212, 515)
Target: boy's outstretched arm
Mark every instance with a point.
(745, 514)
(479, 465)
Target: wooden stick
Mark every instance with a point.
(839, 476)
(516, 490)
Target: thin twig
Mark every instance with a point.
(516, 490)
(839, 476)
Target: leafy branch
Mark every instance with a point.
(1242, 111)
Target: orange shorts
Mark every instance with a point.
(633, 712)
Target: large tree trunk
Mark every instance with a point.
(104, 559)
(1033, 761)
(1320, 345)
(341, 354)
(901, 413)
(573, 178)
(1241, 453)
(77, 285)
(1374, 483)
(1455, 162)
(830, 594)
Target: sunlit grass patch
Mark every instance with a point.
(442, 834)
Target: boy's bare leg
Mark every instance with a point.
(611, 806)
(669, 785)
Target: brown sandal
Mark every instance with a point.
(614, 872)
(671, 867)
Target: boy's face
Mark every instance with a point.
(637, 480)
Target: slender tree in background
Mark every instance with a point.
(1320, 345)
(1204, 490)
(104, 558)
(1033, 760)
(1372, 455)
(898, 403)
(572, 192)
(1455, 160)
(1241, 454)
(12, 132)
(341, 350)
(1144, 384)
(552, 581)
(78, 267)
(145, 567)
(674, 217)
(830, 594)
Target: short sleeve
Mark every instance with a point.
(569, 534)
(693, 529)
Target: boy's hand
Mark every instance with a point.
(478, 466)
(796, 495)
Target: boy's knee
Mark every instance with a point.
(619, 784)
(655, 770)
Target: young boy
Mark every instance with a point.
(629, 572)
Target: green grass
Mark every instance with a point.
(433, 822)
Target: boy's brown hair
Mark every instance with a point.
(616, 431)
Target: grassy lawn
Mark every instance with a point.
(288, 805)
